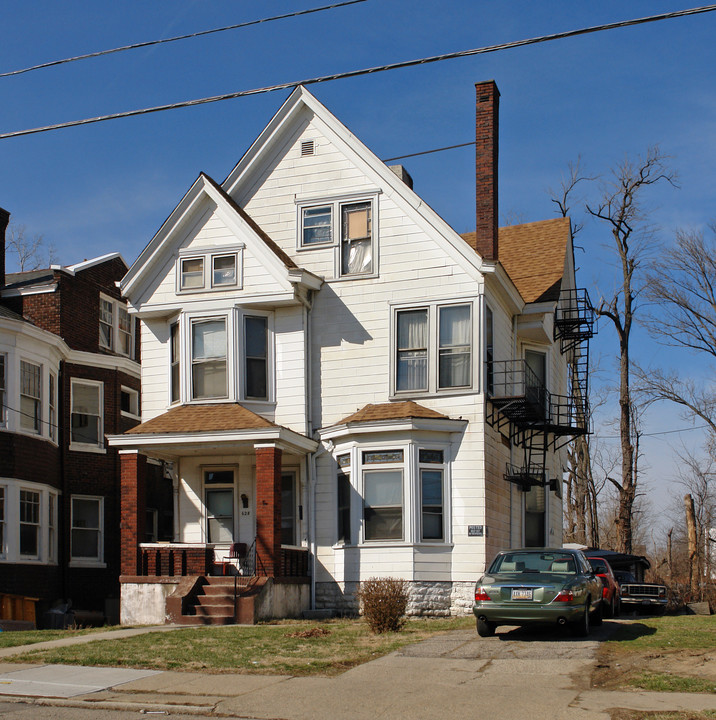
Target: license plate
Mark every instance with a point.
(521, 594)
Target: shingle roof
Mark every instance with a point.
(392, 411)
(533, 256)
(202, 418)
(29, 277)
(7, 313)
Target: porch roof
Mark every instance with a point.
(196, 429)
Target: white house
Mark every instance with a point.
(341, 386)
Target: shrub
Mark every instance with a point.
(384, 602)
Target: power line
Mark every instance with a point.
(662, 432)
(427, 152)
(149, 43)
(367, 71)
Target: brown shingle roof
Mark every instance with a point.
(533, 256)
(392, 411)
(202, 418)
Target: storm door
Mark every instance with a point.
(219, 498)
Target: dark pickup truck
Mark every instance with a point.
(640, 595)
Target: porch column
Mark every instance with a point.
(133, 492)
(268, 508)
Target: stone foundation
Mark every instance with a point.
(436, 599)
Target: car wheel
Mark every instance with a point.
(598, 615)
(580, 627)
(485, 628)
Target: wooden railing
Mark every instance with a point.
(182, 559)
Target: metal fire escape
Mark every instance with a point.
(535, 419)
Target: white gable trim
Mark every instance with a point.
(240, 178)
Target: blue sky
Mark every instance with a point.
(109, 186)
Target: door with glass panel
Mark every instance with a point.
(219, 498)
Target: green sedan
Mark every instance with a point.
(538, 585)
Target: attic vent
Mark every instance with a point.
(307, 148)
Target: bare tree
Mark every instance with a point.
(31, 252)
(621, 207)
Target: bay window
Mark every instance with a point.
(29, 523)
(174, 354)
(431, 495)
(383, 504)
(432, 348)
(30, 396)
(256, 357)
(208, 359)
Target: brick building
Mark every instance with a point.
(69, 375)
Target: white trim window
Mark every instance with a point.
(343, 498)
(174, 363)
(348, 226)
(30, 524)
(129, 402)
(87, 539)
(256, 357)
(383, 502)
(432, 495)
(52, 404)
(86, 415)
(3, 387)
(209, 359)
(116, 326)
(223, 266)
(433, 348)
(2, 521)
(30, 396)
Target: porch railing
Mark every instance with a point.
(181, 559)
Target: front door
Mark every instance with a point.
(219, 498)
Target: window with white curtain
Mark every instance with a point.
(412, 351)
(208, 358)
(433, 348)
(455, 346)
(356, 239)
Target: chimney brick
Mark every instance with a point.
(4, 220)
(486, 155)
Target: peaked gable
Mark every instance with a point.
(206, 201)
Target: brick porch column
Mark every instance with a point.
(268, 508)
(133, 493)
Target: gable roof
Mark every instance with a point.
(392, 411)
(533, 255)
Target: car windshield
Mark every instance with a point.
(534, 562)
(625, 577)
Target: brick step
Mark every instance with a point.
(206, 620)
(222, 606)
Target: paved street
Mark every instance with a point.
(515, 675)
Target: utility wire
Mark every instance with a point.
(367, 71)
(149, 43)
(653, 434)
(427, 152)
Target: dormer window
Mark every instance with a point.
(214, 269)
(192, 273)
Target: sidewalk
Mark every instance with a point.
(444, 676)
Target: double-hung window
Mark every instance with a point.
(3, 388)
(30, 396)
(87, 414)
(208, 359)
(52, 402)
(116, 326)
(343, 492)
(256, 357)
(433, 348)
(87, 529)
(174, 361)
(348, 227)
(432, 526)
(29, 523)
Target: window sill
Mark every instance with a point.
(452, 392)
(81, 447)
(377, 544)
(361, 276)
(129, 415)
(87, 564)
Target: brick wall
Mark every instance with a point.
(486, 155)
(133, 503)
(268, 509)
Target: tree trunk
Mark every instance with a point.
(693, 545)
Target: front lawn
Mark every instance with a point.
(664, 654)
(14, 638)
(296, 648)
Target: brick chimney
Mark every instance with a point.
(486, 145)
(4, 220)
